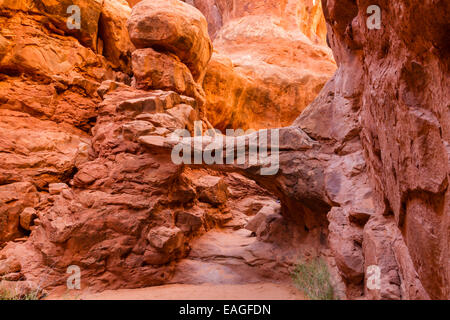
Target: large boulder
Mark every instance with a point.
(56, 14)
(165, 239)
(172, 26)
(155, 70)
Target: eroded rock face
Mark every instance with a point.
(154, 70)
(86, 173)
(304, 15)
(15, 198)
(115, 41)
(270, 58)
(129, 208)
(126, 207)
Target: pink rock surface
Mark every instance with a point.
(86, 176)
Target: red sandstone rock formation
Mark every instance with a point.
(295, 14)
(270, 61)
(175, 27)
(125, 213)
(49, 77)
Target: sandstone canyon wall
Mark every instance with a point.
(49, 76)
(270, 61)
(397, 78)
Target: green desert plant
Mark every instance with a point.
(8, 295)
(313, 278)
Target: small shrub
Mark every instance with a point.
(5, 295)
(313, 278)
